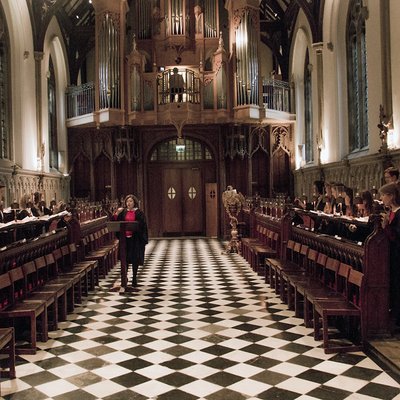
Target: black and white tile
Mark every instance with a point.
(200, 325)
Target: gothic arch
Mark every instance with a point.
(54, 48)
(335, 62)
(302, 43)
(22, 82)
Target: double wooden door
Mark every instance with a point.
(182, 202)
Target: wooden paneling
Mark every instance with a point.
(260, 172)
(102, 176)
(154, 202)
(236, 173)
(126, 178)
(81, 176)
(281, 172)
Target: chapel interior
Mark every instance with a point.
(176, 101)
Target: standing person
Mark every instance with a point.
(176, 86)
(135, 241)
(390, 196)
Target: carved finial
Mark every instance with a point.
(220, 42)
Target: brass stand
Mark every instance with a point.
(233, 203)
(234, 246)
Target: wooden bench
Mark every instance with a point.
(42, 279)
(7, 346)
(15, 309)
(265, 242)
(45, 274)
(31, 283)
(315, 270)
(346, 307)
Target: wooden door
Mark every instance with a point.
(182, 201)
(211, 210)
(192, 209)
(172, 201)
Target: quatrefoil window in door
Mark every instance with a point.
(192, 193)
(171, 193)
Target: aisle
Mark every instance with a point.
(201, 325)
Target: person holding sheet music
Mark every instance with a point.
(135, 241)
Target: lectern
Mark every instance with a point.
(121, 227)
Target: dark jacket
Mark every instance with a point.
(140, 238)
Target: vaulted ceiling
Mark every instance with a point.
(77, 21)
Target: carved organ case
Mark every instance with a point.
(143, 47)
(165, 35)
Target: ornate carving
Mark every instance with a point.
(280, 136)
(233, 202)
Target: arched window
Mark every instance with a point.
(51, 93)
(5, 97)
(357, 77)
(308, 126)
(194, 151)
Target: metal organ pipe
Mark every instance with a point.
(210, 18)
(177, 14)
(247, 60)
(109, 54)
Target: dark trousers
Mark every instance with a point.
(179, 92)
(131, 257)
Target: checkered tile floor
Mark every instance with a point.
(201, 325)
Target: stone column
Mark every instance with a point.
(319, 81)
(39, 109)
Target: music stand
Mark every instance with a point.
(121, 227)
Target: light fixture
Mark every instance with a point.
(180, 145)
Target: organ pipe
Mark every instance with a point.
(109, 67)
(247, 60)
(211, 18)
(144, 21)
(178, 14)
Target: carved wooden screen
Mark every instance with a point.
(126, 178)
(236, 174)
(260, 172)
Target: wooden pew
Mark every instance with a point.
(14, 309)
(313, 266)
(265, 242)
(347, 306)
(7, 346)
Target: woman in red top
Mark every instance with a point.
(390, 196)
(135, 241)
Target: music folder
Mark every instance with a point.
(115, 226)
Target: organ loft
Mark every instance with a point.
(167, 142)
